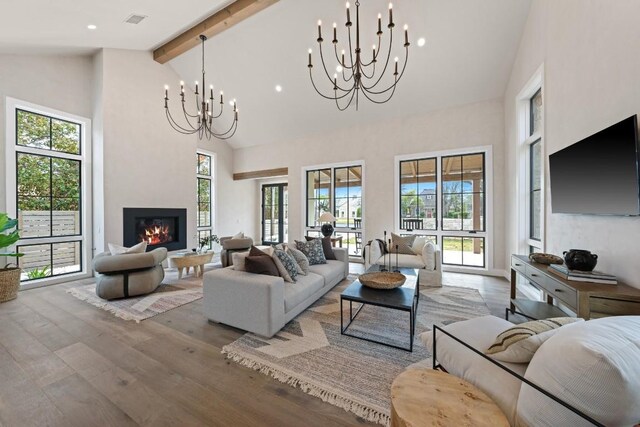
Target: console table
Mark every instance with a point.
(587, 300)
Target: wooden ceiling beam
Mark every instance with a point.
(226, 18)
(267, 173)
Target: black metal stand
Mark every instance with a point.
(536, 387)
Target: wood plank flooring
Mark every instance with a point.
(66, 363)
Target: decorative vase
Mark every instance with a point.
(327, 230)
(580, 259)
(9, 283)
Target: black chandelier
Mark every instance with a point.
(358, 76)
(205, 111)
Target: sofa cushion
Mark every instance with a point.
(301, 260)
(429, 256)
(458, 360)
(403, 243)
(332, 272)
(287, 266)
(418, 244)
(238, 260)
(591, 365)
(135, 249)
(404, 260)
(327, 247)
(261, 264)
(312, 249)
(295, 293)
(519, 343)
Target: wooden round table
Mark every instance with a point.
(197, 261)
(424, 397)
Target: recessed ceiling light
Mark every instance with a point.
(421, 41)
(91, 27)
(278, 88)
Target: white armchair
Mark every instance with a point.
(427, 259)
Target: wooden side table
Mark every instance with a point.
(187, 261)
(337, 240)
(425, 397)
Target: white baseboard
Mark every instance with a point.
(478, 271)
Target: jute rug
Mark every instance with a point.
(356, 375)
(171, 294)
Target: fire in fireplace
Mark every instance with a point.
(158, 227)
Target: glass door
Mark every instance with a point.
(275, 227)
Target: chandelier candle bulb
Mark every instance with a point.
(335, 33)
(390, 15)
(396, 61)
(379, 23)
(166, 92)
(310, 65)
(196, 87)
(319, 30)
(348, 14)
(343, 64)
(406, 35)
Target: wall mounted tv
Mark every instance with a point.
(598, 175)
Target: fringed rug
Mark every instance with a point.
(353, 374)
(171, 294)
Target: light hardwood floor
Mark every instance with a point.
(66, 363)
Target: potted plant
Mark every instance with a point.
(9, 276)
(207, 241)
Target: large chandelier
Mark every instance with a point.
(201, 122)
(354, 75)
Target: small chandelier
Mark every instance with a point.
(356, 75)
(205, 111)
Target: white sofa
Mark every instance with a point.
(264, 304)
(429, 264)
(594, 366)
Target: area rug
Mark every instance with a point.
(171, 294)
(356, 375)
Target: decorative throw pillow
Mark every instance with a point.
(327, 248)
(313, 251)
(429, 256)
(238, 259)
(289, 264)
(261, 265)
(282, 271)
(136, 249)
(519, 343)
(240, 235)
(403, 244)
(301, 260)
(418, 244)
(257, 252)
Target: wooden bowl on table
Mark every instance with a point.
(382, 280)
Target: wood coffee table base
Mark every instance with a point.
(187, 261)
(424, 397)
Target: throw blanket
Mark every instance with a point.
(381, 244)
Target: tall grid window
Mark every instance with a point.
(535, 168)
(204, 209)
(443, 198)
(337, 190)
(48, 194)
(275, 207)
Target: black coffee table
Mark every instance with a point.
(404, 298)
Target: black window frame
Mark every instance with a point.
(463, 193)
(417, 183)
(281, 212)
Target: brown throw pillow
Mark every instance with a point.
(257, 252)
(261, 264)
(404, 244)
(327, 248)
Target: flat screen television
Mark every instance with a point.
(598, 175)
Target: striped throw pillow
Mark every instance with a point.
(519, 343)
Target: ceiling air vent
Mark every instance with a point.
(134, 19)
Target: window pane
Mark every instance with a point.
(66, 258)
(65, 179)
(473, 212)
(204, 164)
(351, 241)
(536, 112)
(36, 261)
(408, 177)
(204, 215)
(65, 136)
(465, 251)
(473, 173)
(452, 212)
(34, 175)
(535, 152)
(536, 207)
(33, 130)
(65, 216)
(452, 174)
(203, 234)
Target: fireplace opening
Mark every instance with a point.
(158, 227)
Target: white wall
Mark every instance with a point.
(472, 125)
(148, 164)
(591, 78)
(59, 82)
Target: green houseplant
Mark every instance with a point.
(206, 241)
(9, 276)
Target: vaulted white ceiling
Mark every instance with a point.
(470, 48)
(60, 26)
